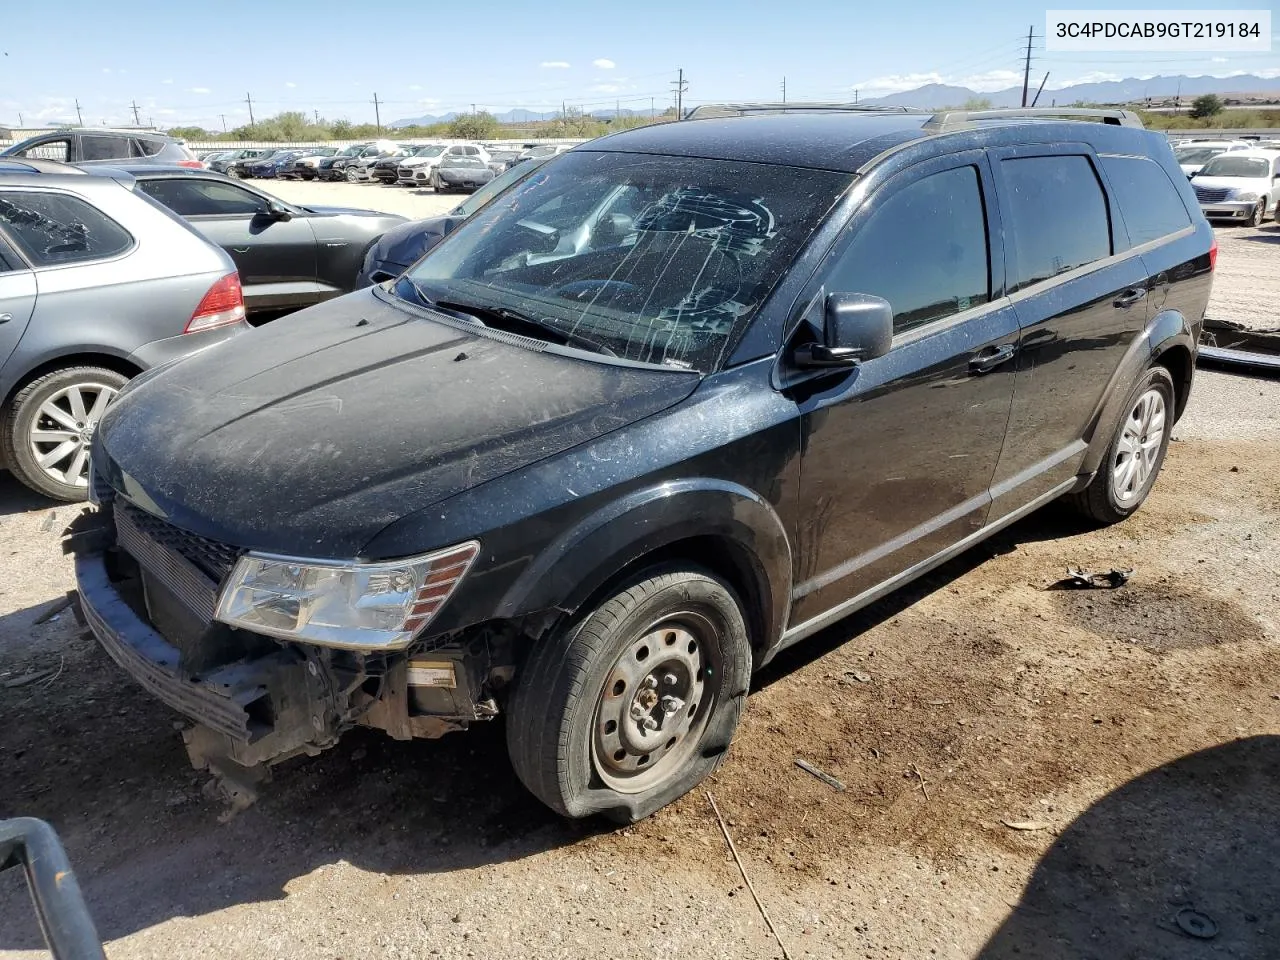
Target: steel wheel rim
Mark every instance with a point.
(655, 704)
(63, 430)
(1138, 448)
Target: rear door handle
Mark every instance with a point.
(987, 359)
(1130, 297)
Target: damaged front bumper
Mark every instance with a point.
(256, 702)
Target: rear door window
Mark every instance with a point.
(96, 146)
(203, 198)
(147, 147)
(924, 250)
(1149, 202)
(57, 228)
(1058, 215)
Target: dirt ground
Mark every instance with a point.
(1130, 737)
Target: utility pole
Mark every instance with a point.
(651, 113)
(79, 117)
(317, 115)
(1177, 103)
(136, 121)
(617, 109)
(21, 122)
(855, 96)
(249, 100)
(1026, 73)
(1041, 90)
(681, 85)
(377, 112)
(784, 89)
(473, 109)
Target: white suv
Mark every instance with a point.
(416, 169)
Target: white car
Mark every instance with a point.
(416, 169)
(1242, 185)
(1194, 154)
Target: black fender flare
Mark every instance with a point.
(1166, 330)
(584, 558)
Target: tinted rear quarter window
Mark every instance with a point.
(102, 147)
(1058, 215)
(1149, 202)
(924, 250)
(57, 228)
(149, 147)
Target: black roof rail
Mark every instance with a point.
(709, 110)
(948, 120)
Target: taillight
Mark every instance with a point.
(223, 304)
(194, 164)
(1213, 254)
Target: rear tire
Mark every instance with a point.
(46, 428)
(1136, 452)
(630, 707)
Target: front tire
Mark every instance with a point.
(46, 429)
(350, 175)
(1259, 212)
(633, 705)
(1135, 454)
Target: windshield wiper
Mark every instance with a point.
(520, 319)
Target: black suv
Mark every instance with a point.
(99, 145)
(673, 403)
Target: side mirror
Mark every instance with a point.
(857, 327)
(276, 211)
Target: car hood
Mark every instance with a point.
(1254, 184)
(310, 435)
(418, 161)
(352, 212)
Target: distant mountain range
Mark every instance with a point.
(935, 95)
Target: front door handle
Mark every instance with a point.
(1130, 297)
(987, 359)
(5, 317)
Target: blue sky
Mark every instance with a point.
(186, 64)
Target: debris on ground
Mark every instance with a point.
(746, 879)
(1027, 825)
(28, 679)
(51, 611)
(1196, 924)
(1080, 579)
(824, 777)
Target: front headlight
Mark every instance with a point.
(356, 606)
(1247, 195)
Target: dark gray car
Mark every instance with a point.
(97, 284)
(97, 145)
(288, 256)
(462, 173)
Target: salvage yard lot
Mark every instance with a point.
(1135, 732)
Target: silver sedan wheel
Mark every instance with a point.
(64, 427)
(1138, 448)
(654, 705)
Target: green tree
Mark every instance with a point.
(474, 126)
(340, 129)
(190, 133)
(977, 103)
(1206, 105)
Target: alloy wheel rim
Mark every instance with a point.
(63, 430)
(1138, 448)
(655, 704)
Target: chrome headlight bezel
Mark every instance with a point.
(344, 604)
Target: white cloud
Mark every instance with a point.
(290, 84)
(603, 64)
(106, 69)
(167, 81)
(606, 88)
(198, 90)
(415, 86)
(554, 65)
(1093, 76)
(1218, 60)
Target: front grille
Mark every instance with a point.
(1210, 194)
(215, 559)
